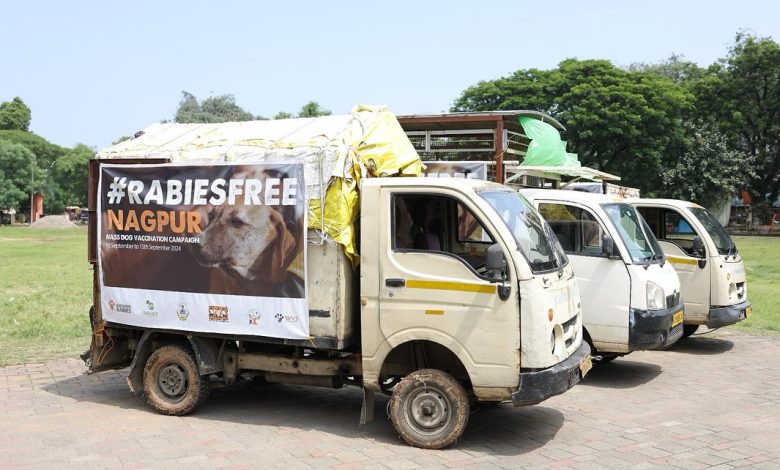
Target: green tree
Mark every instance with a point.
(742, 94)
(15, 115)
(675, 68)
(313, 109)
(617, 120)
(284, 115)
(19, 175)
(531, 89)
(705, 169)
(44, 155)
(221, 108)
(45, 152)
(70, 175)
(10, 195)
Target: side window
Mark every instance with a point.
(675, 226)
(440, 224)
(652, 216)
(469, 228)
(678, 231)
(577, 229)
(591, 233)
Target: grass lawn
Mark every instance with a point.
(45, 294)
(761, 256)
(46, 291)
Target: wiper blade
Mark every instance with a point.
(653, 257)
(731, 250)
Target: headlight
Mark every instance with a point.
(655, 296)
(732, 291)
(552, 342)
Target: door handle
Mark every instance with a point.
(395, 282)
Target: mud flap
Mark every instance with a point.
(367, 412)
(105, 351)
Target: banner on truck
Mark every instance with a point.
(218, 248)
(471, 170)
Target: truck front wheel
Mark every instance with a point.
(172, 384)
(429, 409)
(688, 330)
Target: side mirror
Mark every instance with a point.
(698, 247)
(496, 269)
(607, 246)
(495, 263)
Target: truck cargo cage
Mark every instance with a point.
(490, 136)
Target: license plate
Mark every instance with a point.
(748, 311)
(677, 318)
(585, 366)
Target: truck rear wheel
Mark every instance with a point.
(429, 409)
(172, 384)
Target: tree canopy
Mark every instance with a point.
(310, 109)
(741, 94)
(706, 169)
(45, 152)
(29, 163)
(284, 115)
(617, 121)
(15, 115)
(71, 172)
(19, 175)
(671, 129)
(222, 108)
(313, 109)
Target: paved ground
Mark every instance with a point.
(708, 402)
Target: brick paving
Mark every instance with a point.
(709, 402)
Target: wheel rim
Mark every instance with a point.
(172, 382)
(429, 411)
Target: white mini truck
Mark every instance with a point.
(711, 271)
(461, 295)
(630, 293)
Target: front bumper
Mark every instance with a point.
(537, 386)
(722, 316)
(649, 329)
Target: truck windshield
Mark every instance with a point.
(534, 237)
(642, 245)
(718, 234)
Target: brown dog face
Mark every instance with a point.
(251, 242)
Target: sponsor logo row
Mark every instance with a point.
(216, 313)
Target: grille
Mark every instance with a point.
(673, 300)
(570, 331)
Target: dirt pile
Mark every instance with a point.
(53, 221)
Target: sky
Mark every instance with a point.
(92, 72)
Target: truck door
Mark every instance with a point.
(605, 284)
(433, 283)
(675, 235)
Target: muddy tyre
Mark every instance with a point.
(172, 384)
(688, 330)
(429, 409)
